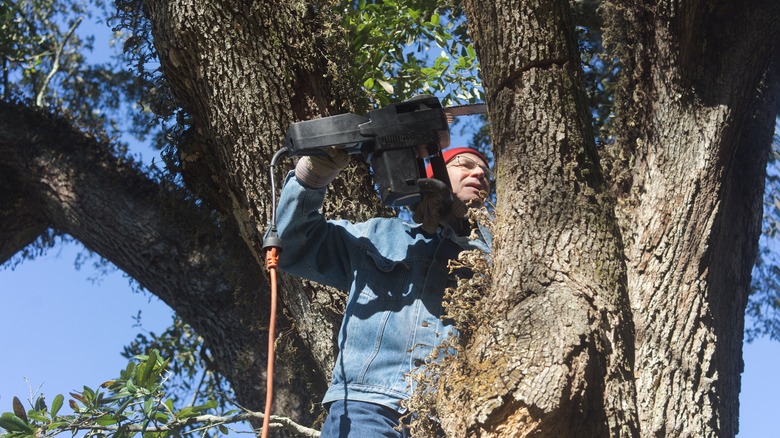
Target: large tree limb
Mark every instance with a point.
(21, 222)
(174, 249)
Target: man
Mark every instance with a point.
(395, 272)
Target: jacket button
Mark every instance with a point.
(425, 324)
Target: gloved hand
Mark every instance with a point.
(428, 212)
(318, 171)
(435, 204)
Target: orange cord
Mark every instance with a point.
(271, 262)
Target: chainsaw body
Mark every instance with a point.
(396, 140)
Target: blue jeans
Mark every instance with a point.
(356, 419)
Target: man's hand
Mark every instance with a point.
(428, 212)
(318, 171)
(435, 205)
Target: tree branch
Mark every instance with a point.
(55, 63)
(205, 421)
(20, 224)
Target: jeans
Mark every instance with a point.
(356, 419)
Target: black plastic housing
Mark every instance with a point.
(389, 138)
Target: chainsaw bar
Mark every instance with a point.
(466, 110)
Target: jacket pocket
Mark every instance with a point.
(382, 279)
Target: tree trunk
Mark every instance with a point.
(561, 353)
(691, 216)
(558, 266)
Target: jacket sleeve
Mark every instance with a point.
(312, 247)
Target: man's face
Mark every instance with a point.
(468, 176)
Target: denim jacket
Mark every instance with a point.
(395, 274)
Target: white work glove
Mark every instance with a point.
(319, 171)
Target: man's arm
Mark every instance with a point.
(312, 247)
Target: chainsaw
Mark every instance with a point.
(398, 140)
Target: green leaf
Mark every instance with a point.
(145, 370)
(88, 393)
(128, 372)
(106, 420)
(186, 413)
(123, 393)
(148, 406)
(131, 388)
(39, 416)
(12, 423)
(223, 429)
(369, 83)
(471, 51)
(40, 403)
(56, 404)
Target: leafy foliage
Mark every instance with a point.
(193, 372)
(156, 110)
(394, 43)
(133, 403)
(763, 309)
(45, 62)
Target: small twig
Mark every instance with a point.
(208, 420)
(27, 60)
(55, 63)
(197, 389)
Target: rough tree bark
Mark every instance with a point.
(555, 354)
(699, 122)
(682, 203)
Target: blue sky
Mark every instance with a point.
(63, 328)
